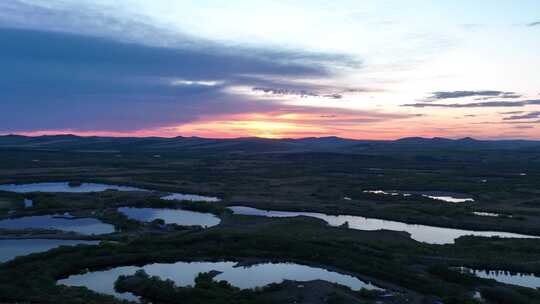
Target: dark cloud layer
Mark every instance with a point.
(511, 112)
(96, 20)
(487, 104)
(505, 95)
(52, 80)
(530, 115)
(459, 94)
(537, 23)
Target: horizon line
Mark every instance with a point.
(268, 138)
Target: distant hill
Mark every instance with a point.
(251, 144)
(462, 143)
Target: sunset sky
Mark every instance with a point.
(368, 69)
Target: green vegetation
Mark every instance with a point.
(316, 182)
(383, 258)
(10, 202)
(206, 290)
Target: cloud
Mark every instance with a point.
(530, 115)
(64, 80)
(508, 122)
(288, 120)
(85, 71)
(511, 112)
(487, 104)
(506, 95)
(460, 94)
(97, 20)
(316, 115)
(534, 23)
(204, 83)
(301, 93)
(521, 122)
(303, 90)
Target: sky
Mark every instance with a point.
(365, 69)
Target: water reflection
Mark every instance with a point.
(10, 249)
(171, 216)
(489, 214)
(421, 233)
(184, 273)
(64, 187)
(86, 226)
(507, 277)
(28, 203)
(190, 197)
(449, 197)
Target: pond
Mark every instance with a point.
(28, 203)
(420, 233)
(489, 214)
(190, 197)
(10, 249)
(506, 277)
(86, 226)
(64, 187)
(171, 216)
(184, 273)
(449, 197)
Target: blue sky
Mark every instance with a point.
(362, 69)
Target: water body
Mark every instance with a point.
(190, 197)
(420, 233)
(382, 192)
(449, 197)
(490, 214)
(171, 216)
(28, 203)
(86, 226)
(10, 249)
(184, 273)
(519, 279)
(64, 187)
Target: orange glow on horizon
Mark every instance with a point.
(279, 124)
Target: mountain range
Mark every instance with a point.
(252, 144)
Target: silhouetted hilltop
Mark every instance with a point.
(252, 144)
